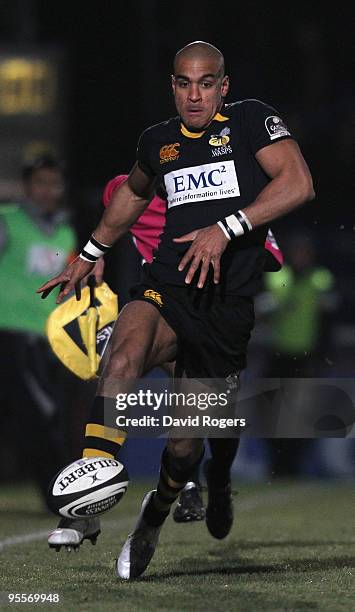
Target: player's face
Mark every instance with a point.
(199, 89)
(45, 188)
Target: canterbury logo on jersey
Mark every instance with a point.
(169, 152)
(215, 181)
(153, 295)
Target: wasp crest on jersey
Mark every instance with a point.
(215, 181)
(219, 142)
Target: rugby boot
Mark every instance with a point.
(190, 505)
(219, 511)
(72, 532)
(139, 547)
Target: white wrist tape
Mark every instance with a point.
(243, 215)
(93, 250)
(224, 230)
(239, 223)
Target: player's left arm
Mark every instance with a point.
(291, 183)
(290, 186)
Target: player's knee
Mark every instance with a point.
(185, 449)
(125, 362)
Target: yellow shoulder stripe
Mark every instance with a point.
(220, 117)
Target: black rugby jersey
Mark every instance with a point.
(209, 175)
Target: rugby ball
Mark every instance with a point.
(87, 487)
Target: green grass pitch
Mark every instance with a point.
(292, 548)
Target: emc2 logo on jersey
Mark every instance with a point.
(215, 181)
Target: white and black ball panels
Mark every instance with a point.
(87, 487)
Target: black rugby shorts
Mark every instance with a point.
(213, 330)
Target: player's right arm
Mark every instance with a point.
(126, 206)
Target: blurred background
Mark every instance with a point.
(80, 82)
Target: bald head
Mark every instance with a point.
(200, 50)
(199, 84)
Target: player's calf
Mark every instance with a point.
(178, 464)
(219, 511)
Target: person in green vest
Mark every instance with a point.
(301, 293)
(36, 240)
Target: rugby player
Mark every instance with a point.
(145, 234)
(228, 171)
(144, 240)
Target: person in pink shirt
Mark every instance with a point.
(149, 225)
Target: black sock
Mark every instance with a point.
(195, 475)
(223, 452)
(174, 474)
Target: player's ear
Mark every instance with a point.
(173, 83)
(225, 86)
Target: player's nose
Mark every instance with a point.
(194, 92)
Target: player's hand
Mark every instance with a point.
(69, 280)
(206, 249)
(98, 271)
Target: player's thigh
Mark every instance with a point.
(143, 334)
(169, 367)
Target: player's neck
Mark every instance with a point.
(201, 130)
